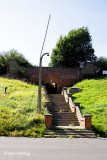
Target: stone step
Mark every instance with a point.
(56, 96)
(65, 121)
(62, 113)
(59, 107)
(70, 133)
(70, 130)
(65, 117)
(70, 136)
(62, 105)
(68, 122)
(61, 110)
(65, 124)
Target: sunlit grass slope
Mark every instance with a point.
(93, 100)
(18, 109)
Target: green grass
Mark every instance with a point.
(93, 100)
(18, 109)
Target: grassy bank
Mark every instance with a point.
(18, 109)
(93, 100)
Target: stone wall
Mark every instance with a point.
(13, 67)
(88, 69)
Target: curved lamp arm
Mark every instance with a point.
(44, 54)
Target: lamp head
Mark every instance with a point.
(44, 54)
(47, 54)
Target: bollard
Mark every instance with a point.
(5, 89)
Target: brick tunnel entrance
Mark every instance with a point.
(52, 83)
(51, 88)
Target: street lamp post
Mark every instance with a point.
(40, 82)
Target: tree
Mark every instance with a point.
(101, 64)
(2, 64)
(12, 54)
(73, 50)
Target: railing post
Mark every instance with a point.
(48, 106)
(65, 93)
(88, 123)
(69, 96)
(64, 89)
(76, 104)
(48, 120)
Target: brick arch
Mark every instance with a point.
(49, 77)
(55, 79)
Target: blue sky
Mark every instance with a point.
(23, 24)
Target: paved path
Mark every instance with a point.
(52, 149)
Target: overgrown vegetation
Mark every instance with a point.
(101, 65)
(18, 109)
(93, 100)
(12, 54)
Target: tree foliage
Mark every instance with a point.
(101, 64)
(12, 54)
(73, 50)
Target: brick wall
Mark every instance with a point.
(61, 76)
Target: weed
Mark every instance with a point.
(50, 133)
(70, 137)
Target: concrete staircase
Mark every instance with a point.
(62, 115)
(64, 122)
